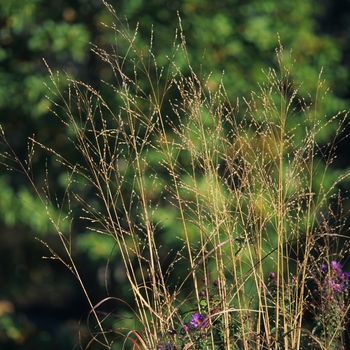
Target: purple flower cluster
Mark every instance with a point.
(166, 347)
(338, 279)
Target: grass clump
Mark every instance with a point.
(243, 194)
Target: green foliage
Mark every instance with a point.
(22, 209)
(237, 37)
(97, 247)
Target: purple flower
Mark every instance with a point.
(215, 283)
(344, 276)
(186, 327)
(336, 266)
(272, 275)
(337, 287)
(198, 320)
(202, 293)
(165, 347)
(324, 267)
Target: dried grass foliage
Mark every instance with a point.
(238, 181)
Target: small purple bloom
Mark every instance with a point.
(215, 283)
(336, 266)
(202, 293)
(344, 276)
(198, 320)
(324, 267)
(186, 327)
(165, 347)
(272, 275)
(337, 287)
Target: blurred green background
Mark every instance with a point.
(41, 303)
